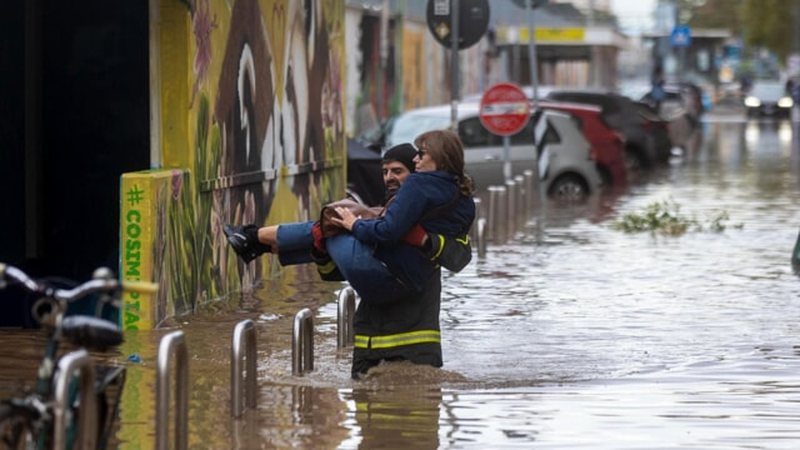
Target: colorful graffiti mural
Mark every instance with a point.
(252, 131)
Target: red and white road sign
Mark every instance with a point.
(504, 109)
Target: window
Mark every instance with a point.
(473, 133)
(524, 137)
(550, 137)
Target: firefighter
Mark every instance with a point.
(403, 324)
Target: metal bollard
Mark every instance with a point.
(530, 202)
(173, 343)
(491, 211)
(521, 201)
(303, 342)
(511, 196)
(87, 417)
(473, 230)
(481, 227)
(344, 318)
(243, 346)
(500, 218)
(494, 213)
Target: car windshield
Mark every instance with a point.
(767, 91)
(406, 127)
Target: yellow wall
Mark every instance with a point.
(250, 129)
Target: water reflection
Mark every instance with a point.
(397, 417)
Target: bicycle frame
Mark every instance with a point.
(44, 411)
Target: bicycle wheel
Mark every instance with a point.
(109, 385)
(15, 430)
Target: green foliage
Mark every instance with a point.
(770, 24)
(712, 14)
(665, 218)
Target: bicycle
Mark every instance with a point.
(35, 420)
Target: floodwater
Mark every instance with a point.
(572, 335)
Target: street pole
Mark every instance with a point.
(384, 57)
(454, 84)
(532, 53)
(796, 76)
(535, 84)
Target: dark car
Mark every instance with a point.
(364, 178)
(680, 98)
(647, 141)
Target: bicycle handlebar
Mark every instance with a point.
(101, 282)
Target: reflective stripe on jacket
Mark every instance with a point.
(398, 339)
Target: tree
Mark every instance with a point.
(770, 24)
(712, 14)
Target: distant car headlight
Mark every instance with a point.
(752, 102)
(785, 102)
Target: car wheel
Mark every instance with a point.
(568, 188)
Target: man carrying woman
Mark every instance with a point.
(398, 316)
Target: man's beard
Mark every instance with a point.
(392, 187)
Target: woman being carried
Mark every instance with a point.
(373, 257)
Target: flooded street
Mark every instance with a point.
(581, 336)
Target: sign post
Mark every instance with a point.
(681, 38)
(529, 6)
(446, 20)
(504, 111)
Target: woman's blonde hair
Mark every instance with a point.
(447, 151)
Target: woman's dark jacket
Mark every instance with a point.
(429, 198)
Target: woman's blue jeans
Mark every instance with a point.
(368, 275)
(295, 242)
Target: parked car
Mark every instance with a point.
(570, 169)
(647, 141)
(768, 98)
(680, 98)
(566, 169)
(364, 178)
(607, 145)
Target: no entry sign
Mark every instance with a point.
(504, 109)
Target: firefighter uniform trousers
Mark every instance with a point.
(406, 329)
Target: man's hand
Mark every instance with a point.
(346, 218)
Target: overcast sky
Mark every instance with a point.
(633, 7)
(634, 14)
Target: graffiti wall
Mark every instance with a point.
(425, 68)
(249, 96)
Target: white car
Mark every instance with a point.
(565, 166)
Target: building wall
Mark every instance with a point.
(250, 97)
(418, 70)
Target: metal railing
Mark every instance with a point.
(243, 348)
(173, 343)
(303, 342)
(87, 419)
(344, 319)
